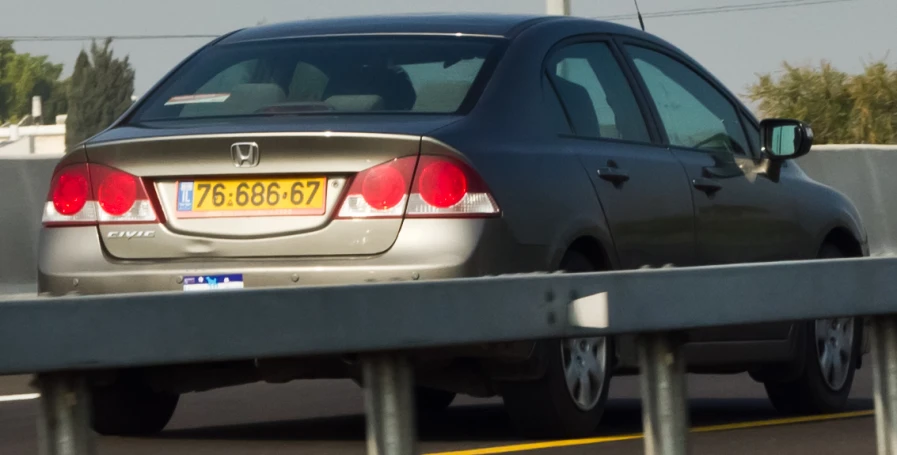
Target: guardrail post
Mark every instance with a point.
(664, 408)
(884, 376)
(389, 405)
(64, 419)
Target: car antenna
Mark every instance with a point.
(640, 20)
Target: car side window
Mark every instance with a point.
(693, 112)
(753, 132)
(553, 110)
(598, 99)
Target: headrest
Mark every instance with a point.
(392, 84)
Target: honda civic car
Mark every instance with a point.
(427, 147)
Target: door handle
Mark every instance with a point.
(613, 175)
(706, 185)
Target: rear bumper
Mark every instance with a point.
(72, 261)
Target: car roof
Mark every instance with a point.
(498, 25)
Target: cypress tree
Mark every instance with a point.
(101, 89)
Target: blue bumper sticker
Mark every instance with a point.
(213, 282)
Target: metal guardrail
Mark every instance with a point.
(62, 338)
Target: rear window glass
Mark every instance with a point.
(398, 74)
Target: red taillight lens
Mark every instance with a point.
(380, 191)
(442, 184)
(117, 193)
(121, 197)
(90, 193)
(441, 187)
(70, 200)
(71, 190)
(446, 187)
(383, 187)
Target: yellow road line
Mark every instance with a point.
(629, 437)
(785, 421)
(542, 445)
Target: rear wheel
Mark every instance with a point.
(830, 355)
(130, 408)
(568, 401)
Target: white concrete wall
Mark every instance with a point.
(25, 181)
(48, 140)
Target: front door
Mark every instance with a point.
(741, 214)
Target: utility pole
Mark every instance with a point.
(558, 7)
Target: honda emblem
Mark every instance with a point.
(245, 154)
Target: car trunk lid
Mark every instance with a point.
(250, 195)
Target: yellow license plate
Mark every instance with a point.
(251, 197)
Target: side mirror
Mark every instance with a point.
(785, 139)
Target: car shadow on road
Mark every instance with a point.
(484, 423)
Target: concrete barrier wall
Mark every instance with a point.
(866, 174)
(23, 190)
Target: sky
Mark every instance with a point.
(735, 46)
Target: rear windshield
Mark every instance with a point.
(370, 74)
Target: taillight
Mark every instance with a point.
(70, 200)
(117, 193)
(383, 187)
(120, 197)
(380, 191)
(440, 186)
(84, 194)
(445, 186)
(71, 190)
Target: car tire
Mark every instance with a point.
(546, 407)
(130, 408)
(429, 401)
(822, 386)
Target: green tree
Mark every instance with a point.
(874, 113)
(100, 91)
(23, 76)
(841, 108)
(6, 88)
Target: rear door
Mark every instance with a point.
(641, 186)
(741, 213)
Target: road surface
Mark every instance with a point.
(730, 415)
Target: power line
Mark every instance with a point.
(726, 9)
(102, 37)
(669, 13)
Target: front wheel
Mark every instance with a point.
(831, 350)
(569, 400)
(831, 359)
